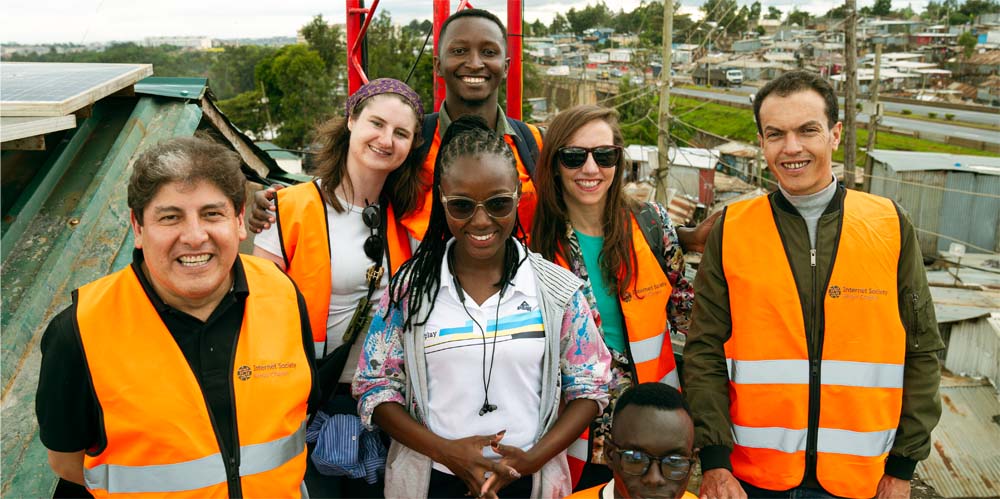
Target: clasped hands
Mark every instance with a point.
(484, 477)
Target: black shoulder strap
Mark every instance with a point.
(527, 148)
(427, 131)
(652, 229)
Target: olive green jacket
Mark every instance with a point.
(705, 375)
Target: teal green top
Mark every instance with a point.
(612, 320)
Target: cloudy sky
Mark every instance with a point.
(88, 21)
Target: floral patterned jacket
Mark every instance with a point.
(381, 377)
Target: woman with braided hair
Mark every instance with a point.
(478, 343)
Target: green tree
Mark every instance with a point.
(934, 11)
(247, 111)
(392, 52)
(232, 72)
(591, 16)
(773, 13)
(882, 8)
(299, 92)
(838, 12)
(559, 24)
(967, 41)
(727, 14)
(754, 11)
(799, 17)
(905, 12)
(326, 41)
(536, 28)
(972, 9)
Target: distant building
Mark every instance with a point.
(950, 198)
(747, 46)
(187, 42)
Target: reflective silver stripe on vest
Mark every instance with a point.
(319, 348)
(783, 439)
(258, 458)
(832, 372)
(856, 443)
(832, 441)
(195, 474)
(647, 349)
(578, 449)
(671, 379)
(864, 374)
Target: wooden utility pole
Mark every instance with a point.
(851, 92)
(873, 119)
(663, 137)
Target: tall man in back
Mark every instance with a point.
(472, 60)
(189, 372)
(810, 364)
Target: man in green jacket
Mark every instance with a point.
(778, 311)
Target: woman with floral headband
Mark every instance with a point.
(338, 237)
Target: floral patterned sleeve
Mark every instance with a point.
(381, 374)
(586, 361)
(682, 298)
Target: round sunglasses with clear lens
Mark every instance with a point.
(575, 157)
(463, 208)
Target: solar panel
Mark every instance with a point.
(59, 89)
(19, 127)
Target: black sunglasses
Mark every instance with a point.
(373, 245)
(636, 462)
(575, 157)
(463, 208)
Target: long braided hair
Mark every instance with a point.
(419, 279)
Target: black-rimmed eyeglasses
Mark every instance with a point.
(574, 157)
(636, 462)
(373, 245)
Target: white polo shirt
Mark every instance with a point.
(454, 350)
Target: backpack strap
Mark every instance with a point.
(651, 225)
(427, 130)
(525, 140)
(526, 143)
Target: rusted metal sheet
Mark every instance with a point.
(965, 452)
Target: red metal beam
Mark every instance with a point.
(355, 35)
(442, 9)
(514, 50)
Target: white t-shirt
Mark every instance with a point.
(454, 349)
(347, 275)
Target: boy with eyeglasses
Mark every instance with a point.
(651, 449)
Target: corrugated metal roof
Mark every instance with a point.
(965, 452)
(901, 161)
(66, 223)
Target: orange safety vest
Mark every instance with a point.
(595, 493)
(305, 245)
(159, 434)
(647, 329)
(860, 375)
(417, 220)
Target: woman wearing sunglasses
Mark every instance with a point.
(478, 344)
(336, 235)
(586, 223)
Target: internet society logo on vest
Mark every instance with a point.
(847, 293)
(271, 370)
